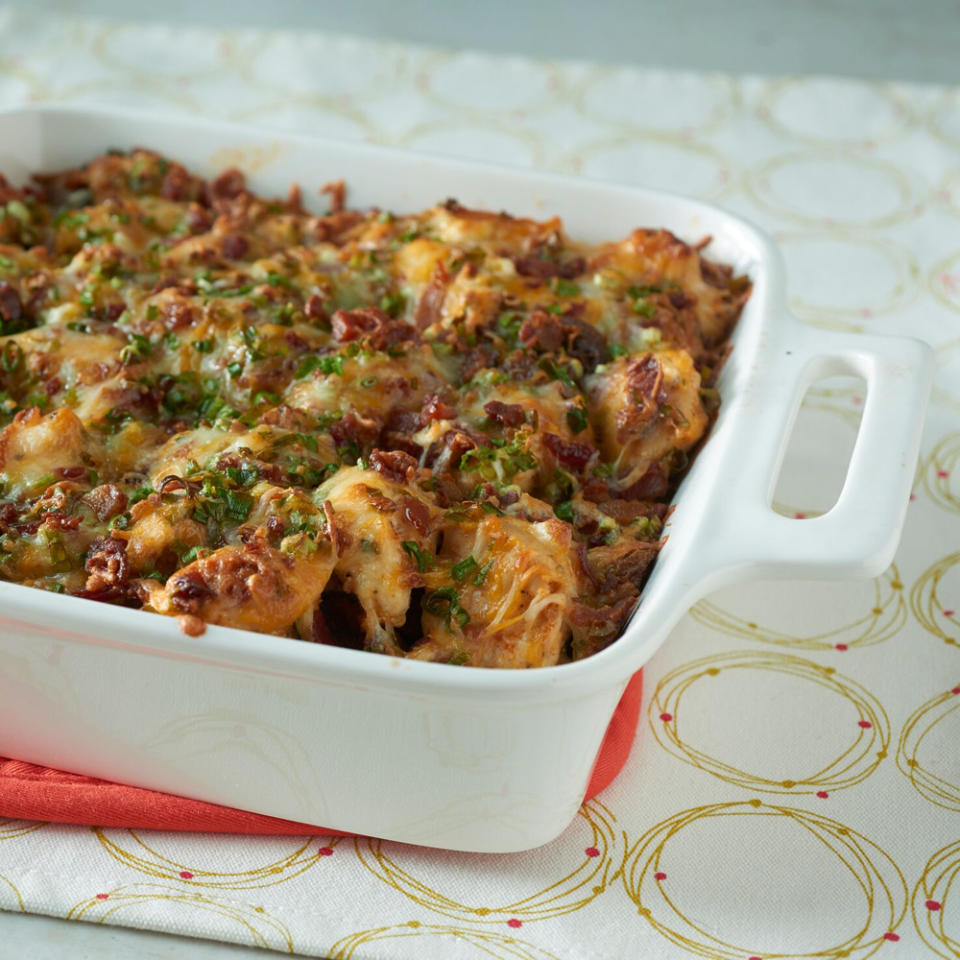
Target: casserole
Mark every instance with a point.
(426, 753)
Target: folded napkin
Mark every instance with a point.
(31, 792)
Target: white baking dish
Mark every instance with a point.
(469, 759)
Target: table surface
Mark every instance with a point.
(868, 38)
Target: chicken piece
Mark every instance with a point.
(387, 537)
(250, 586)
(506, 608)
(644, 407)
(34, 446)
(158, 532)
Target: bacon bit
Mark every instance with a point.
(644, 377)
(228, 186)
(275, 528)
(394, 465)
(57, 521)
(651, 486)
(542, 331)
(70, 473)
(188, 589)
(235, 246)
(53, 386)
(191, 625)
(338, 535)
(113, 311)
(584, 342)
(354, 429)
(430, 307)
(176, 183)
(108, 569)
(295, 199)
(177, 315)
(533, 266)
(313, 308)
(508, 414)
(378, 501)
(435, 408)
(294, 340)
(416, 514)
(626, 511)
(337, 191)
(11, 308)
(106, 501)
(197, 220)
(480, 358)
(569, 452)
(383, 332)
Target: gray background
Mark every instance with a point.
(880, 39)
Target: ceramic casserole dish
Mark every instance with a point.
(448, 756)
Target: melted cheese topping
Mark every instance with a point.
(449, 435)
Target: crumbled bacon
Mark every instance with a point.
(482, 357)
(569, 452)
(197, 220)
(106, 501)
(416, 514)
(435, 408)
(394, 465)
(548, 333)
(177, 315)
(542, 331)
(338, 534)
(655, 483)
(314, 308)
(229, 185)
(353, 428)
(188, 590)
(645, 383)
(508, 414)
(382, 331)
(176, 183)
(541, 269)
(11, 308)
(108, 569)
(337, 191)
(235, 246)
(430, 307)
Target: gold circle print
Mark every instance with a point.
(149, 905)
(9, 889)
(656, 881)
(855, 756)
(935, 616)
(18, 828)
(598, 861)
(930, 895)
(884, 613)
(833, 188)
(860, 114)
(146, 856)
(921, 733)
(485, 943)
(940, 473)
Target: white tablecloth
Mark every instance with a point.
(795, 786)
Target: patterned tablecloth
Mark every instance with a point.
(795, 788)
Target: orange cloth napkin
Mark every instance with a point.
(30, 792)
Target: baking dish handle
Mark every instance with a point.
(858, 536)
